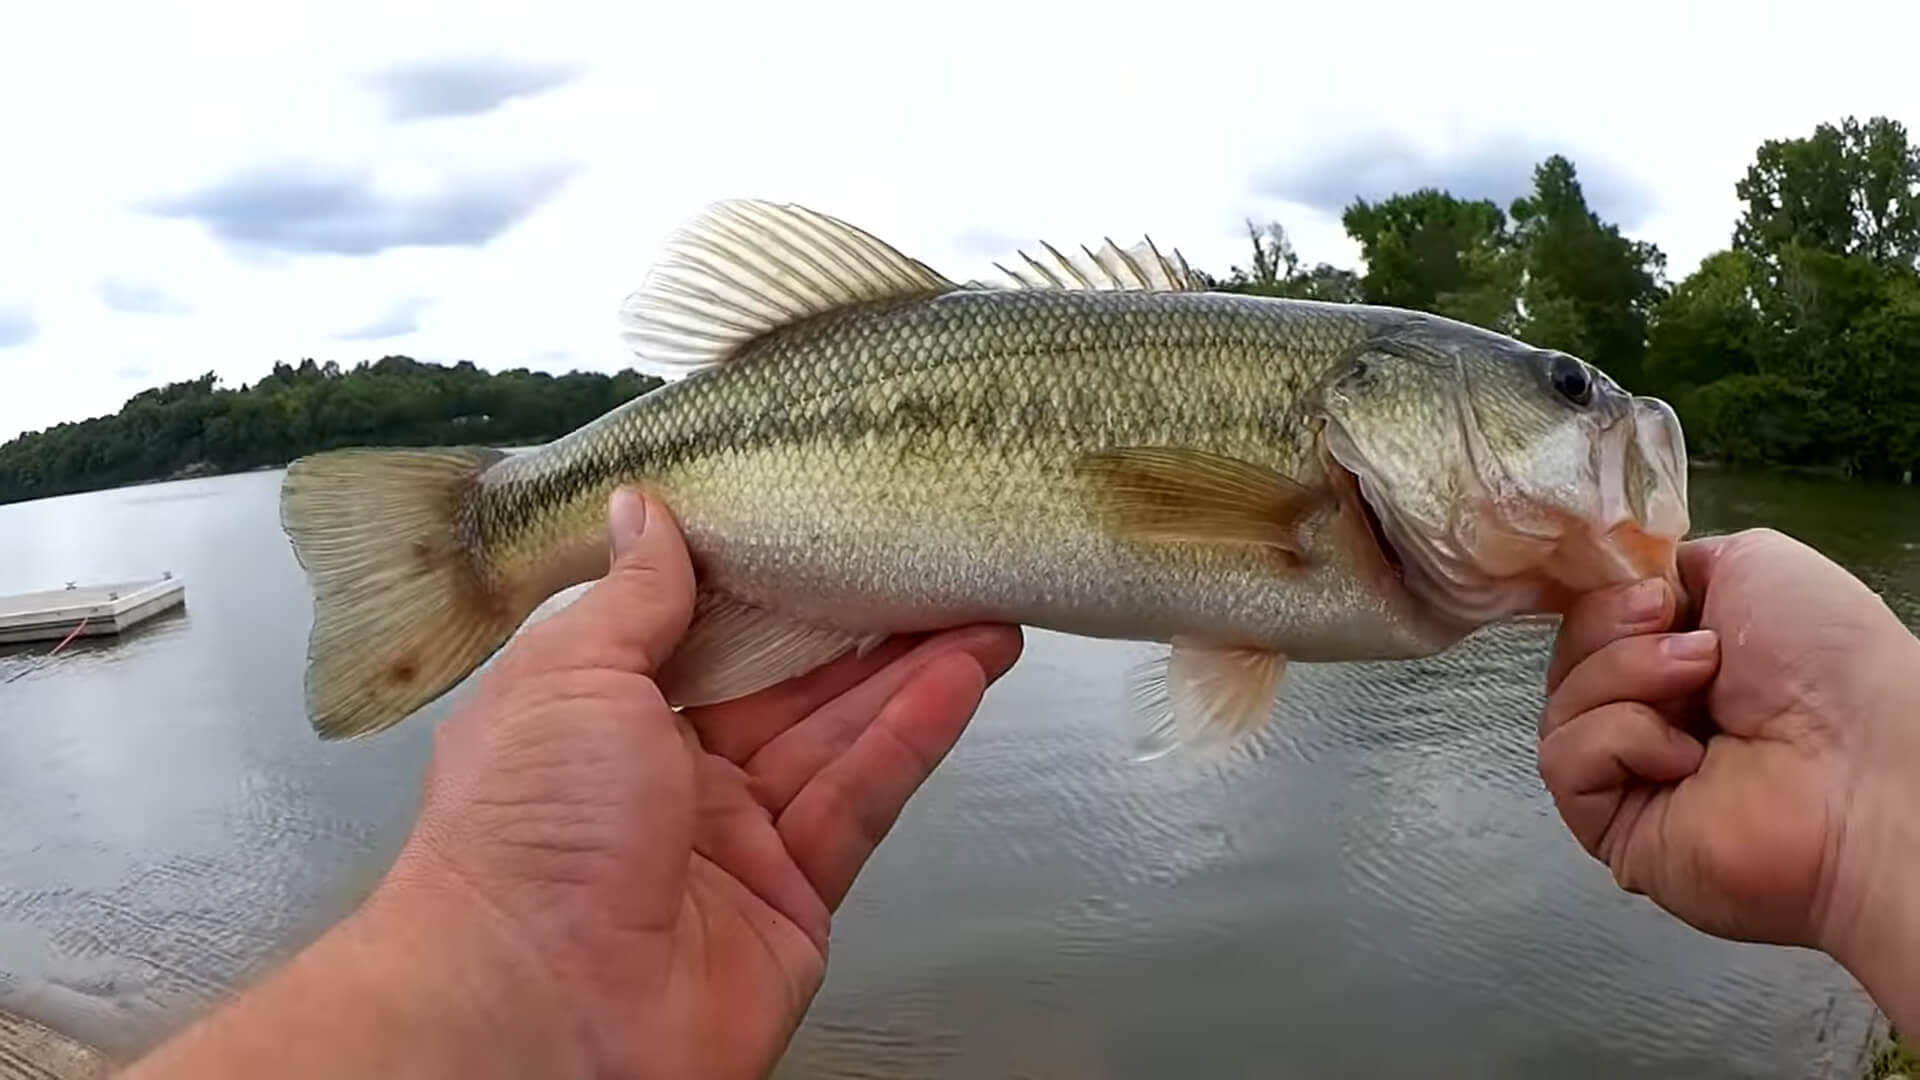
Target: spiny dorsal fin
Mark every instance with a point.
(1112, 269)
(1203, 696)
(744, 267)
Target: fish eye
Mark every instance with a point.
(1571, 380)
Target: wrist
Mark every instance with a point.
(1871, 923)
(413, 983)
(468, 981)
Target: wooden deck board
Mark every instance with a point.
(31, 1052)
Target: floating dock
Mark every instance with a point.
(86, 610)
(31, 1052)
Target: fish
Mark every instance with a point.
(856, 446)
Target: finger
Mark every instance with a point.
(1646, 668)
(736, 729)
(1699, 558)
(1589, 763)
(835, 822)
(736, 834)
(792, 758)
(1603, 616)
(630, 619)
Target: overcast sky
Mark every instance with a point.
(192, 186)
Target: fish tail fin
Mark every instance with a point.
(402, 608)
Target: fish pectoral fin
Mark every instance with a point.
(745, 267)
(1111, 269)
(1169, 494)
(732, 649)
(1204, 696)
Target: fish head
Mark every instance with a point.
(1500, 479)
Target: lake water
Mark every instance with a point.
(1377, 885)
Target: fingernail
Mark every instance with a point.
(1645, 600)
(1697, 645)
(626, 519)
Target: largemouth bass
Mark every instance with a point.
(856, 446)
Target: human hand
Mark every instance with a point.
(653, 890)
(1796, 820)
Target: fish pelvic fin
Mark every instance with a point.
(1169, 494)
(745, 267)
(1203, 696)
(732, 649)
(402, 610)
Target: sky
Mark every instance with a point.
(202, 186)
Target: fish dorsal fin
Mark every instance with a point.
(744, 267)
(1111, 269)
(1203, 697)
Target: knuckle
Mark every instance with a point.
(583, 702)
(1552, 765)
(667, 589)
(1552, 717)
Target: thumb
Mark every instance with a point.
(632, 618)
(1698, 559)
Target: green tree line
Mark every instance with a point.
(1797, 344)
(200, 426)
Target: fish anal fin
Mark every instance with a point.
(1204, 696)
(732, 649)
(745, 267)
(1169, 494)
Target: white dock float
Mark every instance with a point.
(92, 610)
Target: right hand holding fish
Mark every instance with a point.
(1755, 777)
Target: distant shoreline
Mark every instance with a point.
(271, 466)
(199, 428)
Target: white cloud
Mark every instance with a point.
(463, 86)
(948, 131)
(17, 328)
(402, 317)
(140, 298)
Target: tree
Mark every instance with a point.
(1848, 189)
(394, 401)
(1801, 345)
(1276, 272)
(1430, 251)
(1709, 327)
(1585, 288)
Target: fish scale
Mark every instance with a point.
(939, 452)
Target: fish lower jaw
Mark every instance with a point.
(1578, 564)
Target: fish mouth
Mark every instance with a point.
(1642, 512)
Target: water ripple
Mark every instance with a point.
(1373, 885)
